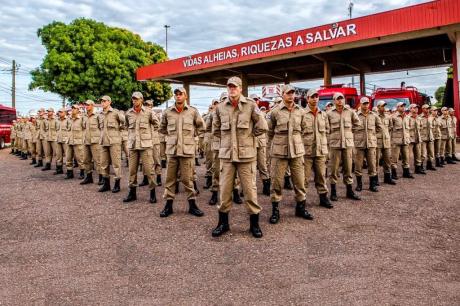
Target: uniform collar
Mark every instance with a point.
(308, 109)
(282, 105)
(175, 108)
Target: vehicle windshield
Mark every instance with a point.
(391, 102)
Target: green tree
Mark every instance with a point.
(87, 59)
(439, 95)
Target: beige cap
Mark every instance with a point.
(180, 89)
(337, 95)
(137, 95)
(215, 101)
(254, 97)
(311, 92)
(400, 104)
(364, 100)
(381, 103)
(277, 100)
(41, 109)
(287, 88)
(413, 106)
(424, 106)
(434, 108)
(223, 95)
(451, 109)
(444, 108)
(329, 104)
(50, 109)
(148, 102)
(106, 98)
(89, 102)
(235, 81)
(75, 106)
(62, 110)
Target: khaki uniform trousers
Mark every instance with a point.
(415, 148)
(92, 156)
(156, 159)
(124, 149)
(25, 146)
(61, 149)
(346, 157)
(146, 157)
(385, 155)
(209, 159)
(427, 152)
(50, 151)
(277, 171)
(40, 148)
(262, 163)
(247, 173)
(437, 147)
(111, 155)
(163, 151)
(370, 154)
(71, 152)
(445, 147)
(32, 148)
(395, 151)
(317, 164)
(182, 167)
(215, 171)
(453, 146)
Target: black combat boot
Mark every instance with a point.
(236, 197)
(59, 170)
(34, 161)
(208, 182)
(39, 163)
(145, 181)
(287, 183)
(359, 183)
(163, 163)
(197, 162)
(275, 217)
(454, 158)
(82, 174)
(387, 179)
(213, 200)
(222, 226)
(153, 196)
(351, 194)
(333, 193)
(301, 212)
(23, 156)
(69, 175)
(116, 186)
(429, 165)
(88, 179)
(324, 201)
(132, 196)
(372, 184)
(47, 167)
(159, 180)
(254, 226)
(193, 209)
(438, 162)
(407, 174)
(442, 160)
(449, 160)
(106, 185)
(394, 174)
(377, 183)
(266, 187)
(101, 180)
(168, 210)
(419, 170)
(195, 186)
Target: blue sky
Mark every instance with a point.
(196, 26)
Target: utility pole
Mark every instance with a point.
(350, 15)
(13, 85)
(166, 40)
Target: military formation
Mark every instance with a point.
(285, 145)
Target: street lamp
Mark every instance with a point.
(166, 29)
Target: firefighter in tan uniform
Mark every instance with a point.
(436, 136)
(415, 139)
(51, 126)
(111, 122)
(286, 124)
(13, 137)
(446, 133)
(384, 143)
(91, 147)
(208, 146)
(315, 144)
(140, 121)
(426, 138)
(236, 123)
(162, 137)
(400, 140)
(341, 143)
(365, 137)
(75, 142)
(34, 136)
(124, 141)
(453, 136)
(62, 139)
(41, 137)
(180, 123)
(19, 136)
(27, 137)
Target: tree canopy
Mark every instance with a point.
(87, 59)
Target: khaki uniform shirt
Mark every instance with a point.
(41, 128)
(111, 123)
(426, 128)
(92, 132)
(76, 134)
(453, 127)
(445, 126)
(27, 133)
(51, 127)
(383, 136)
(365, 132)
(237, 128)
(315, 136)
(140, 128)
(63, 130)
(400, 133)
(341, 124)
(180, 129)
(414, 129)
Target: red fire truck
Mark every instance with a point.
(326, 93)
(7, 115)
(408, 95)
